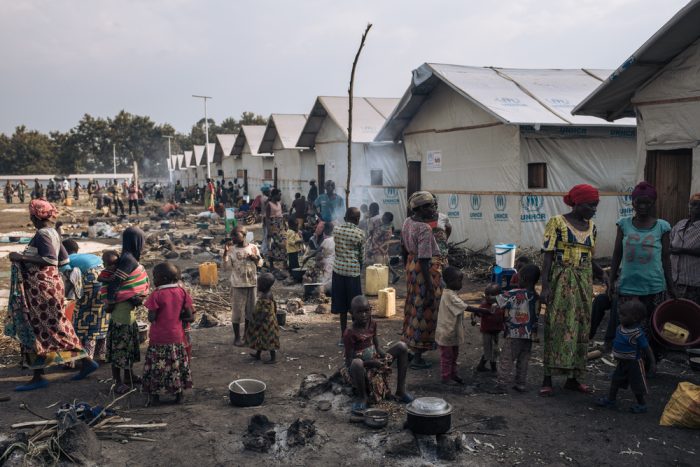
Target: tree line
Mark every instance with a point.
(87, 147)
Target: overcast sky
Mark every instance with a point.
(64, 58)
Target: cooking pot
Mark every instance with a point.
(165, 225)
(206, 241)
(376, 418)
(14, 238)
(281, 317)
(312, 290)
(298, 274)
(429, 416)
(246, 392)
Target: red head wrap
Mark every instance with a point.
(581, 194)
(42, 209)
(644, 189)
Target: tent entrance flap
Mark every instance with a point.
(671, 173)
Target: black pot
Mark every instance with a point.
(298, 274)
(429, 424)
(281, 319)
(312, 290)
(252, 394)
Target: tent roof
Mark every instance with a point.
(287, 126)
(368, 116)
(210, 153)
(183, 160)
(612, 99)
(514, 96)
(252, 134)
(197, 153)
(224, 145)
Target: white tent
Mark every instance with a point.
(222, 155)
(659, 85)
(189, 169)
(295, 166)
(500, 148)
(257, 168)
(378, 168)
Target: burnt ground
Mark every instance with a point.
(509, 429)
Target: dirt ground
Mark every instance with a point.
(500, 429)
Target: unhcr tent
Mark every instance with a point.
(294, 166)
(222, 156)
(499, 147)
(659, 84)
(378, 168)
(256, 169)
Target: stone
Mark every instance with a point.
(295, 306)
(323, 309)
(171, 255)
(449, 445)
(301, 432)
(324, 406)
(260, 435)
(314, 384)
(208, 321)
(185, 255)
(80, 443)
(402, 444)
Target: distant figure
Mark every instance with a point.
(313, 192)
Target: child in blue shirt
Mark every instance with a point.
(630, 347)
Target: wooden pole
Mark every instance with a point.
(350, 95)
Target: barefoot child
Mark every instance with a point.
(630, 348)
(167, 364)
(244, 259)
(367, 367)
(520, 315)
(491, 326)
(263, 334)
(449, 333)
(294, 245)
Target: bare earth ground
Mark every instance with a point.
(507, 429)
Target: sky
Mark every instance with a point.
(61, 59)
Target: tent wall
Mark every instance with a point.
(295, 167)
(228, 165)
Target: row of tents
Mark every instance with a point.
(498, 146)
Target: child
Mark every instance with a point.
(520, 316)
(378, 241)
(294, 245)
(127, 286)
(264, 332)
(366, 367)
(167, 364)
(244, 259)
(491, 326)
(630, 347)
(449, 332)
(92, 229)
(520, 263)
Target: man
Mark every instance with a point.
(21, 187)
(349, 253)
(329, 207)
(313, 192)
(179, 190)
(66, 188)
(298, 211)
(117, 195)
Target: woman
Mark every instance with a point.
(209, 193)
(442, 229)
(8, 191)
(36, 307)
(133, 198)
(685, 253)
(567, 288)
(275, 229)
(423, 262)
(324, 257)
(642, 255)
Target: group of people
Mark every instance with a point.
(10, 190)
(111, 197)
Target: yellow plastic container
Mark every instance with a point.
(386, 306)
(675, 333)
(376, 278)
(208, 274)
(68, 201)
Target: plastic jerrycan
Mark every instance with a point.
(387, 302)
(376, 278)
(208, 274)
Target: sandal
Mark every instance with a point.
(122, 389)
(420, 365)
(546, 391)
(579, 387)
(638, 408)
(605, 402)
(42, 383)
(359, 407)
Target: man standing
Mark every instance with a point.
(329, 207)
(21, 187)
(117, 197)
(298, 211)
(313, 192)
(66, 188)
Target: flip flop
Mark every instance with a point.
(358, 407)
(424, 365)
(580, 387)
(605, 402)
(42, 383)
(546, 391)
(85, 372)
(638, 408)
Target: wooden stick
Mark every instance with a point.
(34, 423)
(350, 95)
(135, 426)
(110, 405)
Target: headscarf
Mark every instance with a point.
(644, 189)
(581, 194)
(42, 209)
(420, 198)
(132, 242)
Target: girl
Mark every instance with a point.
(126, 287)
(275, 228)
(170, 309)
(449, 333)
(264, 331)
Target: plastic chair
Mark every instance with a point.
(498, 274)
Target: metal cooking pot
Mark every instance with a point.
(429, 416)
(376, 418)
(246, 392)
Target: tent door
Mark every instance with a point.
(670, 172)
(245, 181)
(321, 179)
(274, 179)
(414, 180)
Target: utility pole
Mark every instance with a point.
(206, 132)
(170, 159)
(114, 158)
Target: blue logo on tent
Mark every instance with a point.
(626, 200)
(475, 201)
(391, 192)
(453, 201)
(500, 201)
(509, 101)
(532, 203)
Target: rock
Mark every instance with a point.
(185, 255)
(80, 443)
(171, 255)
(337, 389)
(449, 445)
(260, 435)
(323, 309)
(324, 406)
(208, 321)
(7, 440)
(197, 250)
(295, 306)
(301, 432)
(402, 444)
(313, 385)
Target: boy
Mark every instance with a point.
(520, 316)
(449, 332)
(294, 245)
(491, 326)
(244, 259)
(378, 240)
(520, 263)
(630, 348)
(366, 365)
(349, 253)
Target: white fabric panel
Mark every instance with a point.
(669, 126)
(289, 127)
(210, 154)
(254, 165)
(198, 152)
(309, 170)
(679, 78)
(229, 167)
(295, 167)
(253, 136)
(368, 115)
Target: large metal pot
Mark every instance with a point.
(246, 392)
(429, 416)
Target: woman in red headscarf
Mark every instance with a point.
(36, 306)
(567, 288)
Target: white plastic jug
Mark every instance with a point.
(386, 306)
(505, 255)
(376, 278)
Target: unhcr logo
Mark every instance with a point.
(626, 208)
(391, 196)
(509, 101)
(559, 102)
(500, 202)
(453, 205)
(475, 203)
(532, 207)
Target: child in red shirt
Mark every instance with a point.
(491, 326)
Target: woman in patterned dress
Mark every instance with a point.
(36, 307)
(264, 334)
(424, 264)
(274, 219)
(567, 288)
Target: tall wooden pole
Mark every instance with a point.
(350, 95)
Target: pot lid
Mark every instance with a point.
(429, 406)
